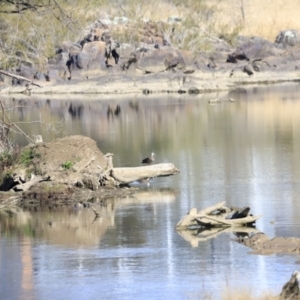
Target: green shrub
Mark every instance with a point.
(6, 158)
(28, 155)
(67, 165)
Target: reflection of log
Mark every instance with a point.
(150, 197)
(129, 175)
(201, 235)
(217, 216)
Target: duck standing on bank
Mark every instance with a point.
(148, 160)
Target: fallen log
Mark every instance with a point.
(207, 221)
(217, 216)
(27, 185)
(129, 175)
(189, 219)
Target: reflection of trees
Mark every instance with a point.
(166, 122)
(74, 227)
(75, 111)
(77, 227)
(17, 224)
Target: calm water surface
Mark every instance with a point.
(245, 153)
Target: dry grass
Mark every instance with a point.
(247, 295)
(220, 18)
(31, 37)
(262, 18)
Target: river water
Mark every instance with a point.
(244, 152)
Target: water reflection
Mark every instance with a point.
(195, 236)
(78, 226)
(245, 153)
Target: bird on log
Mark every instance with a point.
(148, 160)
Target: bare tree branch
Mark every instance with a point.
(18, 77)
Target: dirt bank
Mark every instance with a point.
(67, 169)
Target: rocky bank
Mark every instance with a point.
(99, 63)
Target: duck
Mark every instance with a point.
(149, 160)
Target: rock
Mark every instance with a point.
(193, 90)
(237, 55)
(288, 38)
(94, 56)
(69, 47)
(258, 52)
(291, 290)
(174, 61)
(158, 60)
(90, 182)
(248, 69)
(79, 184)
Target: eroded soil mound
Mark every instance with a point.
(62, 171)
(65, 156)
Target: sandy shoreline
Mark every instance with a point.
(166, 82)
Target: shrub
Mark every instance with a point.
(28, 155)
(67, 165)
(7, 159)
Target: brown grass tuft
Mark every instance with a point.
(245, 294)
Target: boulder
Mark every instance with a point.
(254, 48)
(92, 57)
(288, 38)
(157, 60)
(291, 290)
